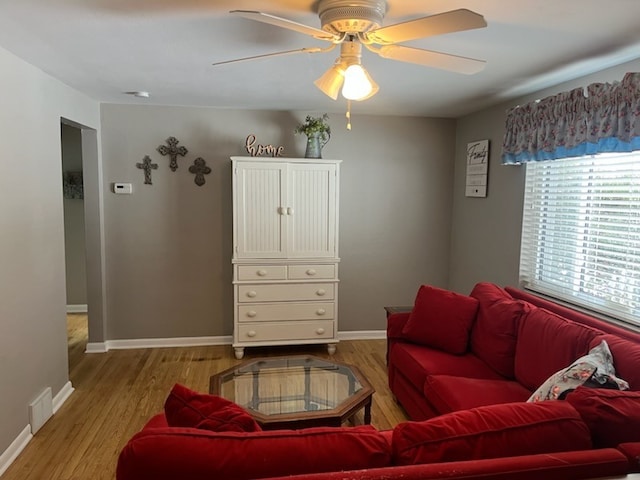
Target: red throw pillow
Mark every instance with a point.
(493, 431)
(186, 408)
(613, 416)
(441, 319)
(495, 334)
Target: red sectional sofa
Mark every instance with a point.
(463, 368)
(499, 353)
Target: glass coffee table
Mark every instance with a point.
(296, 391)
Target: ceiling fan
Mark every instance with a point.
(354, 23)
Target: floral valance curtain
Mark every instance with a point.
(572, 124)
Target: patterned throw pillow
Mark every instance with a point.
(594, 369)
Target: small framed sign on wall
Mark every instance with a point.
(477, 168)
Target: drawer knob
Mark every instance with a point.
(321, 292)
(262, 273)
(251, 333)
(251, 313)
(311, 272)
(251, 293)
(320, 331)
(321, 311)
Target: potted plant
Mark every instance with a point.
(318, 132)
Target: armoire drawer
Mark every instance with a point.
(271, 312)
(285, 292)
(262, 272)
(262, 332)
(310, 272)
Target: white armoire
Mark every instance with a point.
(285, 251)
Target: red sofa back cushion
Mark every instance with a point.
(613, 416)
(495, 331)
(490, 432)
(626, 358)
(547, 343)
(573, 315)
(176, 453)
(186, 408)
(441, 319)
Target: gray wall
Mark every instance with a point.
(165, 269)
(33, 341)
(74, 239)
(168, 246)
(485, 242)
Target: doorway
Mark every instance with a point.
(83, 228)
(74, 239)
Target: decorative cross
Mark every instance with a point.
(146, 165)
(173, 151)
(200, 168)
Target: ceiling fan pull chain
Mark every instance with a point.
(348, 115)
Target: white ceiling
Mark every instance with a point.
(107, 47)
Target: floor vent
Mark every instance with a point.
(40, 410)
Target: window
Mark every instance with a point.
(581, 232)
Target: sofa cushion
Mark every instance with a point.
(449, 394)
(613, 416)
(573, 314)
(489, 432)
(176, 453)
(547, 343)
(416, 362)
(626, 358)
(186, 408)
(596, 368)
(441, 319)
(488, 293)
(495, 331)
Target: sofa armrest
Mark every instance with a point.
(632, 451)
(157, 421)
(395, 323)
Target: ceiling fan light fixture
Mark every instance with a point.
(358, 84)
(354, 23)
(331, 81)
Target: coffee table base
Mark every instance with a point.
(327, 393)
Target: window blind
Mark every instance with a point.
(581, 232)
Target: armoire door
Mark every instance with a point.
(312, 210)
(259, 191)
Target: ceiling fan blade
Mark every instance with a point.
(443, 61)
(447, 22)
(284, 23)
(276, 54)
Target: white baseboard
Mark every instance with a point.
(363, 335)
(103, 347)
(96, 347)
(17, 446)
(77, 309)
(62, 396)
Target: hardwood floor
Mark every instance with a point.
(117, 392)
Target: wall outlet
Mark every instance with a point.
(41, 410)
